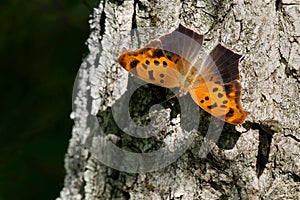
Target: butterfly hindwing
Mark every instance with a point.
(219, 91)
(221, 101)
(183, 42)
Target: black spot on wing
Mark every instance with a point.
(165, 64)
(134, 63)
(144, 50)
(145, 66)
(220, 95)
(212, 106)
(157, 53)
(228, 88)
(230, 113)
(223, 106)
(150, 74)
(147, 62)
(156, 62)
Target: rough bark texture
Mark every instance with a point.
(260, 159)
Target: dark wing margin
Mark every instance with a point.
(183, 42)
(190, 33)
(227, 63)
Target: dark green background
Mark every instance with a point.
(42, 46)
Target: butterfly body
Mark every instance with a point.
(173, 61)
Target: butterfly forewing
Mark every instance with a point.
(153, 65)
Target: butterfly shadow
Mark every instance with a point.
(224, 135)
(140, 104)
(265, 140)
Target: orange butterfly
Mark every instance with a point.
(174, 60)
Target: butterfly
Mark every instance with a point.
(175, 60)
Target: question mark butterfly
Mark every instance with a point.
(174, 60)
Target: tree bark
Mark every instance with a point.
(257, 160)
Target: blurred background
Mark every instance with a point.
(42, 44)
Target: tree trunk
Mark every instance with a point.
(257, 160)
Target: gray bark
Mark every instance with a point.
(259, 159)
